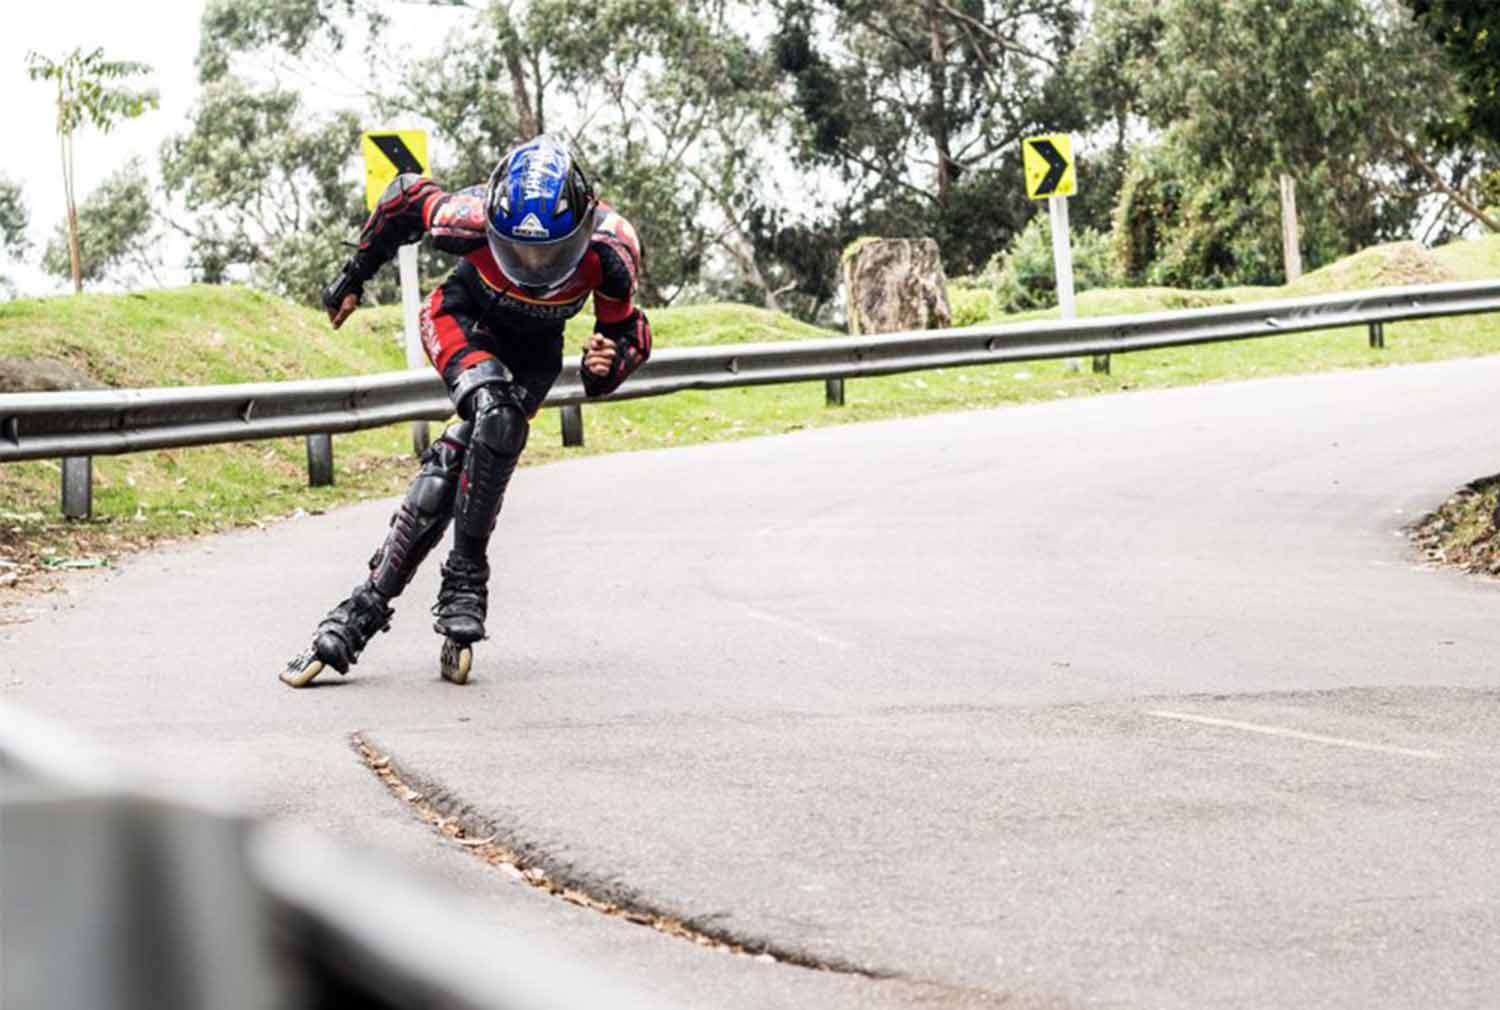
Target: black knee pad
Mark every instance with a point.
(500, 423)
(500, 430)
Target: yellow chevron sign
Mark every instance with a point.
(389, 153)
(1048, 161)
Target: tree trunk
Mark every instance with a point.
(74, 256)
(938, 93)
(1436, 178)
(528, 116)
(525, 114)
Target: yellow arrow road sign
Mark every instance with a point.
(1048, 161)
(389, 153)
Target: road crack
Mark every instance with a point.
(459, 823)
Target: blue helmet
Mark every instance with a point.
(540, 215)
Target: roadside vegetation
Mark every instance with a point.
(1464, 532)
(218, 334)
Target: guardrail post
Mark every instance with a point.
(833, 392)
(572, 425)
(1101, 364)
(1377, 335)
(78, 487)
(319, 460)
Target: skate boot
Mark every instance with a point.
(341, 636)
(460, 609)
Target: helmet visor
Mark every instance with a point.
(542, 266)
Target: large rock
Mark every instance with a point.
(41, 375)
(896, 284)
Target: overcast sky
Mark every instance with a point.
(162, 33)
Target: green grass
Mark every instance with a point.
(211, 334)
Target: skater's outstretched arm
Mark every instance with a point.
(621, 342)
(410, 207)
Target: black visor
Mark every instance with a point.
(542, 266)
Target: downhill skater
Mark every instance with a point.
(535, 242)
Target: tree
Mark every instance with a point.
(662, 101)
(678, 104)
(1338, 94)
(920, 108)
(118, 234)
(87, 92)
(14, 220)
(270, 188)
(1468, 32)
(14, 217)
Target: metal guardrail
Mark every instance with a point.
(101, 422)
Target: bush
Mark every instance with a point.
(972, 303)
(1022, 277)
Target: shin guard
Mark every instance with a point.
(499, 434)
(423, 516)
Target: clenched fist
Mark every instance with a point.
(599, 355)
(345, 309)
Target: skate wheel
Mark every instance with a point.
(457, 660)
(301, 671)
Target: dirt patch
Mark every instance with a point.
(1411, 263)
(1461, 533)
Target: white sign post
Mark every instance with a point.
(1050, 176)
(388, 154)
(411, 306)
(1062, 263)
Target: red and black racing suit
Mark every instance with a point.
(478, 315)
(499, 350)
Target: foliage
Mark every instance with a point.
(664, 104)
(920, 109)
(85, 96)
(1336, 93)
(88, 93)
(269, 187)
(14, 218)
(1024, 277)
(293, 27)
(118, 236)
(1468, 32)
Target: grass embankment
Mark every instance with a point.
(203, 335)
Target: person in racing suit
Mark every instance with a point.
(536, 243)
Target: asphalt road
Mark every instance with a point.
(1139, 700)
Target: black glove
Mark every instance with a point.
(348, 282)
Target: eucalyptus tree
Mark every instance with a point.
(665, 103)
(14, 220)
(919, 107)
(1339, 94)
(268, 187)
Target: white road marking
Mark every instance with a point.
(1296, 734)
(786, 622)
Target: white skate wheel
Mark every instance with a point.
(457, 661)
(301, 671)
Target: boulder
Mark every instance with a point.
(41, 375)
(895, 285)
